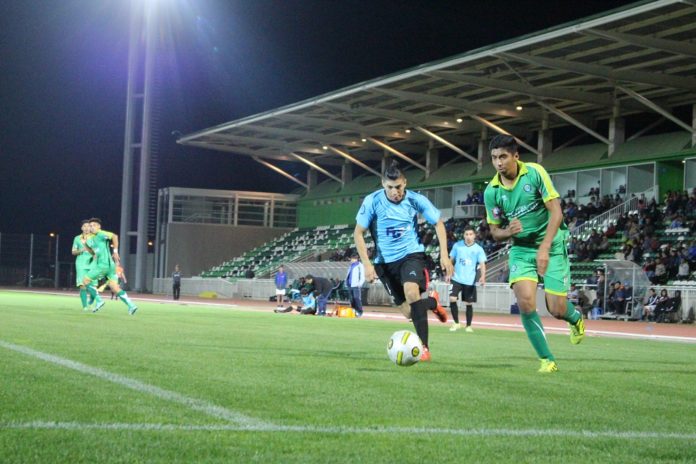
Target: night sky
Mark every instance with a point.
(63, 80)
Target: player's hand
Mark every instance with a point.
(542, 260)
(447, 267)
(370, 274)
(515, 227)
(482, 281)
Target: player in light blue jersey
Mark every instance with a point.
(467, 256)
(391, 216)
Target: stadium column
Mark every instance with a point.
(346, 172)
(431, 158)
(311, 179)
(617, 129)
(693, 125)
(482, 147)
(545, 140)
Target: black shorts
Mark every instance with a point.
(410, 268)
(468, 291)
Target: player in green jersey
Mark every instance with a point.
(83, 260)
(105, 263)
(523, 194)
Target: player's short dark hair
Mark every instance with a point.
(309, 277)
(506, 142)
(95, 219)
(84, 221)
(469, 228)
(393, 171)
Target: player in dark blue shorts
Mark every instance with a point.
(391, 215)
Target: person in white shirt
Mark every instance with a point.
(354, 281)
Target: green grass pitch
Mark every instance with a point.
(185, 383)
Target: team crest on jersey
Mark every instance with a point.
(513, 268)
(504, 198)
(527, 188)
(496, 213)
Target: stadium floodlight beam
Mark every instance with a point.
(142, 20)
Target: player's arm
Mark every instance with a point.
(88, 248)
(501, 234)
(482, 271)
(555, 217)
(76, 251)
(445, 261)
(493, 218)
(361, 247)
(114, 254)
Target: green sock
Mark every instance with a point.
(83, 297)
(123, 297)
(535, 333)
(91, 289)
(572, 315)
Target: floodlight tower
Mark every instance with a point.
(139, 104)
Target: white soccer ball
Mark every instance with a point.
(404, 348)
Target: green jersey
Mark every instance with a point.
(100, 243)
(84, 259)
(524, 201)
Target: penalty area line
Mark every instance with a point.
(479, 432)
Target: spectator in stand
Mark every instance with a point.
(649, 305)
(601, 283)
(677, 223)
(573, 295)
(660, 272)
(617, 298)
(684, 272)
(649, 269)
(673, 262)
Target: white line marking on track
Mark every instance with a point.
(493, 432)
(385, 316)
(205, 407)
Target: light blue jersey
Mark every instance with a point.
(394, 226)
(466, 259)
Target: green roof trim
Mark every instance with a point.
(673, 145)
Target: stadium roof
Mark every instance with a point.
(636, 59)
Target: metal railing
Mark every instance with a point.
(601, 219)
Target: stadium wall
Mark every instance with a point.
(198, 247)
(327, 212)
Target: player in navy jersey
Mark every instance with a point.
(391, 215)
(467, 255)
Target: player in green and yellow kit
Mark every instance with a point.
(523, 194)
(105, 263)
(83, 261)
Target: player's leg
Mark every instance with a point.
(469, 297)
(79, 277)
(89, 281)
(523, 279)
(454, 309)
(556, 284)
(112, 279)
(414, 277)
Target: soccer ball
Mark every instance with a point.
(404, 348)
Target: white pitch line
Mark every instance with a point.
(486, 432)
(205, 407)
